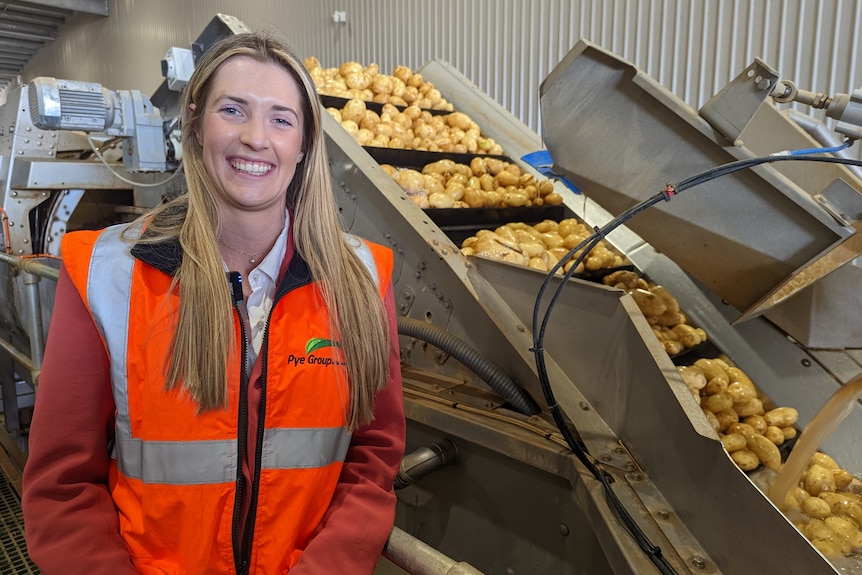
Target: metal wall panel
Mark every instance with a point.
(506, 47)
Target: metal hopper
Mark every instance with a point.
(755, 237)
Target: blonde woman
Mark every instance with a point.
(221, 390)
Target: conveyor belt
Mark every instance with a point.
(13, 550)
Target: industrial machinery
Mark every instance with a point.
(765, 260)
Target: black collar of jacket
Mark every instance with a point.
(168, 255)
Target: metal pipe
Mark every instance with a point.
(418, 558)
(34, 314)
(30, 265)
(20, 358)
(421, 462)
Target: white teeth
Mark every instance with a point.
(253, 168)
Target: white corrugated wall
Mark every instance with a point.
(506, 47)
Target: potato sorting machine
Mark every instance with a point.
(765, 260)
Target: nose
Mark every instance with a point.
(253, 134)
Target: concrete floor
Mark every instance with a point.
(386, 567)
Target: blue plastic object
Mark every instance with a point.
(543, 163)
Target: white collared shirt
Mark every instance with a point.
(262, 281)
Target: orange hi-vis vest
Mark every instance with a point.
(175, 473)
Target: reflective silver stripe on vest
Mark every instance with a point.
(300, 448)
(185, 462)
(109, 284)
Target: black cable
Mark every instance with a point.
(582, 249)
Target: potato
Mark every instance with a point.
(715, 385)
(820, 458)
(354, 110)
(817, 529)
(712, 369)
(740, 392)
(669, 300)
(692, 376)
(765, 450)
(710, 417)
(815, 507)
(538, 263)
(670, 319)
(725, 418)
(757, 422)
(842, 477)
(553, 199)
(737, 375)
(752, 406)
(474, 198)
(440, 200)
(648, 302)
(454, 190)
(506, 178)
(789, 433)
(742, 428)
(844, 505)
(794, 498)
(774, 434)
(781, 416)
(842, 527)
(515, 199)
(688, 335)
(817, 479)
(718, 402)
(734, 442)
(745, 459)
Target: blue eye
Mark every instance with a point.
(230, 110)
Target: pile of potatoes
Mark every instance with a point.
(413, 129)
(540, 246)
(828, 507)
(353, 80)
(660, 309)
(485, 183)
(734, 408)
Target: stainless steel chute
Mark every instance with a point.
(754, 237)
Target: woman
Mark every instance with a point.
(221, 392)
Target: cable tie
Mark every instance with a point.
(669, 191)
(537, 349)
(599, 231)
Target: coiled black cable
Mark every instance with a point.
(575, 443)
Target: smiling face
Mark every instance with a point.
(251, 132)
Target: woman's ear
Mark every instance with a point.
(300, 156)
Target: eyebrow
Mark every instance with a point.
(239, 100)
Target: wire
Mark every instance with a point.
(126, 180)
(539, 327)
(806, 151)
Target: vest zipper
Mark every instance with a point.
(245, 549)
(240, 553)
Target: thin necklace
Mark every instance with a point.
(252, 258)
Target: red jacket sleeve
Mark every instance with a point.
(70, 520)
(362, 512)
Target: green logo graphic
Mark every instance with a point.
(316, 343)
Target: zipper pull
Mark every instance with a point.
(235, 281)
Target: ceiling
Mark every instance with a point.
(27, 26)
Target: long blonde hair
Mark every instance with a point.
(203, 342)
